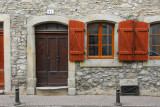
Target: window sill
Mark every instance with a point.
(101, 63)
(100, 57)
(152, 62)
(155, 57)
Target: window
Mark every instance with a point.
(155, 41)
(100, 41)
(51, 27)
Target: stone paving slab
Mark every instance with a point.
(79, 101)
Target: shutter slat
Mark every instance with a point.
(77, 29)
(125, 52)
(76, 40)
(77, 52)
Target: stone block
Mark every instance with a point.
(125, 5)
(121, 75)
(144, 72)
(140, 1)
(130, 1)
(71, 91)
(79, 73)
(131, 75)
(30, 91)
(71, 82)
(128, 82)
(73, 0)
(26, 1)
(31, 82)
(158, 83)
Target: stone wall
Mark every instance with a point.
(21, 10)
(106, 80)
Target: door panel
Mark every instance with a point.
(52, 54)
(41, 60)
(58, 52)
(63, 49)
(52, 67)
(1, 62)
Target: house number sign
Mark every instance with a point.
(50, 11)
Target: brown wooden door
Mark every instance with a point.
(1, 61)
(52, 59)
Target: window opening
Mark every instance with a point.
(1, 26)
(155, 41)
(100, 40)
(51, 27)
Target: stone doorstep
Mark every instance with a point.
(1, 92)
(51, 88)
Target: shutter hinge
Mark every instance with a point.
(84, 53)
(117, 53)
(117, 30)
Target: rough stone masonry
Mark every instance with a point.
(89, 80)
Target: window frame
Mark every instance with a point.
(153, 57)
(100, 41)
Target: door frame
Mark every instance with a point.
(31, 53)
(5, 19)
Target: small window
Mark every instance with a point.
(100, 37)
(155, 41)
(1, 26)
(51, 27)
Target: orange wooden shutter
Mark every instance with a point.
(1, 61)
(125, 40)
(141, 41)
(133, 41)
(76, 40)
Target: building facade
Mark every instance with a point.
(81, 46)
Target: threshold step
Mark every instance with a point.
(51, 88)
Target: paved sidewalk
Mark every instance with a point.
(79, 101)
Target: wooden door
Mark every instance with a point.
(52, 59)
(1, 61)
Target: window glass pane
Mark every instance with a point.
(93, 50)
(62, 28)
(94, 29)
(106, 50)
(155, 29)
(93, 39)
(40, 27)
(52, 27)
(154, 40)
(154, 51)
(106, 29)
(1, 26)
(107, 39)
